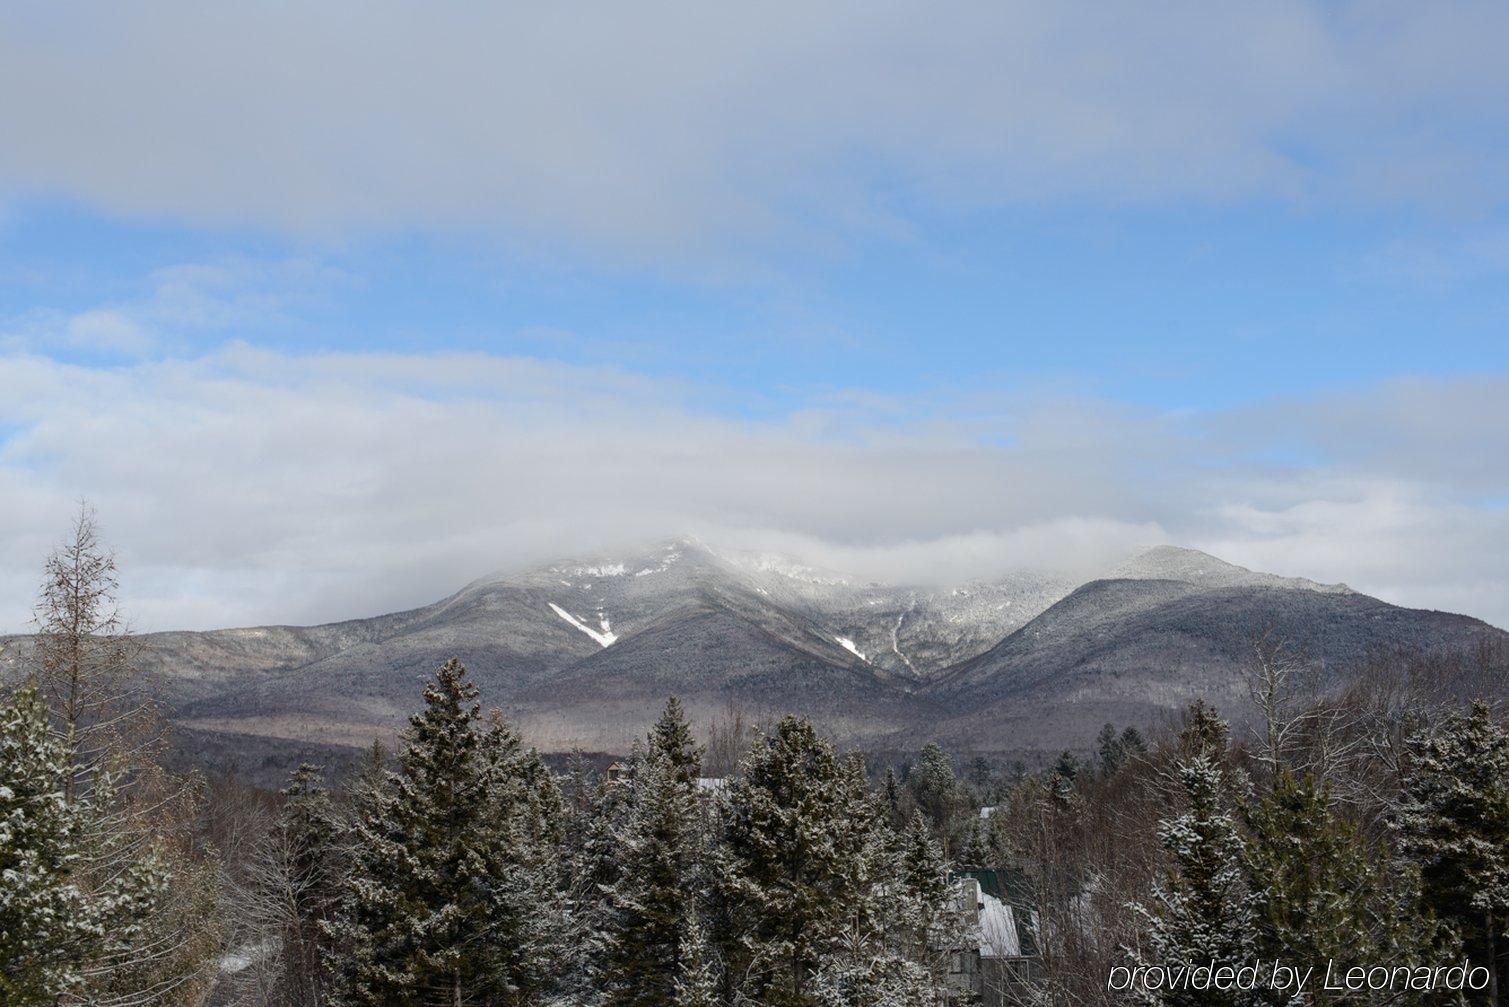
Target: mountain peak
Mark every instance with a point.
(1192, 566)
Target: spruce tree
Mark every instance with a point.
(1203, 731)
(1453, 821)
(1131, 744)
(308, 835)
(1108, 748)
(45, 920)
(893, 797)
(1320, 892)
(672, 737)
(656, 878)
(873, 980)
(896, 893)
(925, 923)
(785, 886)
(1200, 912)
(451, 895)
(696, 976)
(935, 787)
(523, 827)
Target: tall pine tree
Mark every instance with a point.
(1200, 912)
(451, 896)
(1320, 892)
(656, 881)
(785, 886)
(1453, 821)
(45, 920)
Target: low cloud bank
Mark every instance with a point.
(248, 486)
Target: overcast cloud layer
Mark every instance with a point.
(680, 128)
(247, 486)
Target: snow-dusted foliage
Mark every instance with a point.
(45, 920)
(69, 931)
(1200, 912)
(1453, 821)
(453, 895)
(1322, 892)
(820, 900)
(872, 980)
(650, 906)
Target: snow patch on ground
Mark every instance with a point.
(601, 570)
(671, 556)
(242, 958)
(784, 566)
(896, 641)
(605, 636)
(848, 644)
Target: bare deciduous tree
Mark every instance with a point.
(1299, 724)
(86, 659)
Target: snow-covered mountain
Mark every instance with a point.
(581, 652)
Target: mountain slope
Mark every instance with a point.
(583, 652)
(1127, 650)
(597, 643)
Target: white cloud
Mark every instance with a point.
(681, 127)
(250, 486)
(107, 329)
(226, 297)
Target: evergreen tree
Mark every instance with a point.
(1108, 747)
(786, 873)
(868, 856)
(990, 846)
(523, 827)
(696, 978)
(926, 924)
(450, 900)
(870, 980)
(1067, 767)
(672, 737)
(45, 920)
(1200, 912)
(1061, 782)
(1132, 744)
(896, 896)
(1453, 821)
(309, 834)
(1320, 892)
(1203, 732)
(893, 796)
(980, 773)
(287, 896)
(935, 787)
(656, 881)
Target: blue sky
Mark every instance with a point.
(1231, 275)
(1177, 307)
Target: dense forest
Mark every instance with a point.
(1358, 817)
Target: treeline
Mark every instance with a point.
(1363, 821)
(462, 871)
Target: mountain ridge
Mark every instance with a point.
(581, 651)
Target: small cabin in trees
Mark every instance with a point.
(995, 905)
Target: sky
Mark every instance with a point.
(329, 309)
